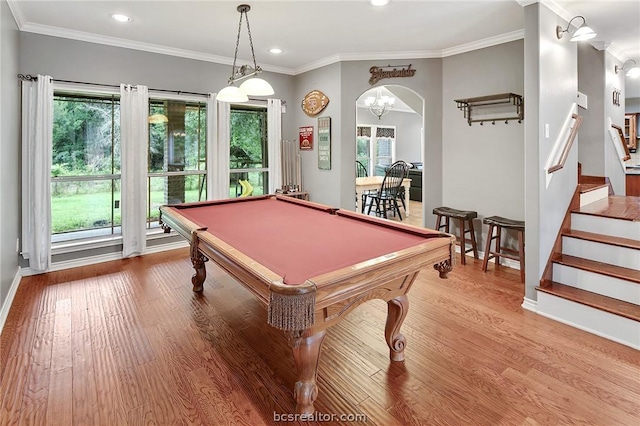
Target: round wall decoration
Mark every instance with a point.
(314, 102)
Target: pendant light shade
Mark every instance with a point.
(256, 87)
(253, 86)
(232, 94)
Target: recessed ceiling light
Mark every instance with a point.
(379, 2)
(275, 50)
(121, 18)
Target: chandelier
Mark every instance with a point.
(380, 104)
(254, 86)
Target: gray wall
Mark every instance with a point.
(592, 133)
(427, 84)
(483, 166)
(65, 59)
(10, 143)
(614, 169)
(323, 185)
(597, 80)
(549, 99)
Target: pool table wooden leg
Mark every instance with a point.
(197, 260)
(396, 312)
(306, 352)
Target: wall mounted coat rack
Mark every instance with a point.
(492, 108)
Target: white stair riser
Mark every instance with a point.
(597, 283)
(606, 226)
(613, 327)
(606, 253)
(593, 196)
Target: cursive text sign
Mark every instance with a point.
(378, 73)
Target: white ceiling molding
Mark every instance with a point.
(486, 42)
(16, 11)
(136, 45)
(524, 3)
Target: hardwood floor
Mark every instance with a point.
(128, 342)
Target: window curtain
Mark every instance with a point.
(274, 137)
(37, 137)
(134, 136)
(221, 138)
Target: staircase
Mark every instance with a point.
(593, 282)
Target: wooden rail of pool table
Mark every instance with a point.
(333, 294)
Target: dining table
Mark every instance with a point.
(369, 183)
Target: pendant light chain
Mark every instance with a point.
(235, 55)
(251, 85)
(255, 66)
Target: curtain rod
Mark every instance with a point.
(29, 77)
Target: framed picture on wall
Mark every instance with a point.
(324, 143)
(306, 138)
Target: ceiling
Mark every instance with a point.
(316, 33)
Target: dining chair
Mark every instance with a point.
(361, 171)
(386, 198)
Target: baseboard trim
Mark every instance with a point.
(92, 260)
(530, 305)
(6, 306)
(509, 263)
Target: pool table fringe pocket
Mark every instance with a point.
(290, 312)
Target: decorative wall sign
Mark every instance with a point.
(616, 97)
(324, 143)
(306, 137)
(378, 73)
(314, 102)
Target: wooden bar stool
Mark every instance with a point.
(497, 223)
(465, 224)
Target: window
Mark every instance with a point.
(363, 147)
(377, 150)
(85, 170)
(248, 155)
(177, 154)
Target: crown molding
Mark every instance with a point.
(136, 45)
(16, 11)
(524, 3)
(485, 42)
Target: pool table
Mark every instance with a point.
(310, 265)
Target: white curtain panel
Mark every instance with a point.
(212, 138)
(134, 137)
(221, 138)
(274, 137)
(37, 136)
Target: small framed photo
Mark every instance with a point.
(306, 138)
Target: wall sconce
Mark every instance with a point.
(633, 71)
(584, 32)
(254, 86)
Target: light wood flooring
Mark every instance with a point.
(128, 343)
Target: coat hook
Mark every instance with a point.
(493, 122)
(482, 123)
(506, 121)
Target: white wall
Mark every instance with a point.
(10, 158)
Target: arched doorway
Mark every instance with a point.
(385, 135)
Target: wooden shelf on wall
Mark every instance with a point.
(500, 107)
